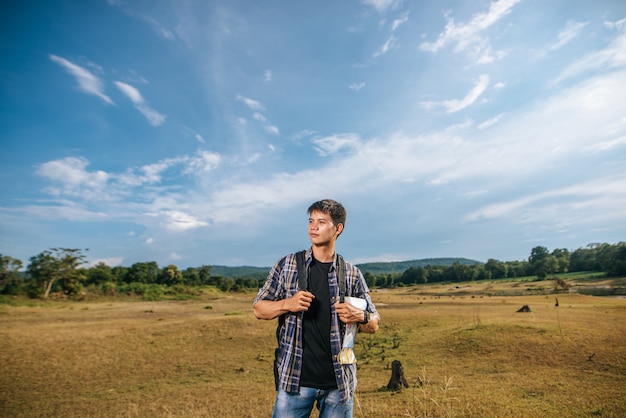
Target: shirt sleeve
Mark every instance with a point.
(273, 288)
(361, 289)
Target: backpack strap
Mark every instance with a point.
(341, 278)
(303, 274)
(303, 271)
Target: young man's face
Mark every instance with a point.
(322, 231)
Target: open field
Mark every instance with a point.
(466, 352)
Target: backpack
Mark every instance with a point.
(303, 280)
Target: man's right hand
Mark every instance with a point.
(270, 309)
(300, 302)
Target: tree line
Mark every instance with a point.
(607, 258)
(61, 271)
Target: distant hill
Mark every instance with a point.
(374, 268)
(239, 272)
(401, 266)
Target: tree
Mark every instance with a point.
(563, 258)
(99, 274)
(143, 273)
(543, 262)
(497, 269)
(57, 265)
(170, 275)
(616, 266)
(413, 275)
(9, 274)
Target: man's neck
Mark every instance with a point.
(324, 253)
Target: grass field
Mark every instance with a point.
(465, 350)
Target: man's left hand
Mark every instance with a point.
(348, 313)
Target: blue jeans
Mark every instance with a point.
(300, 405)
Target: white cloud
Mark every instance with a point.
(401, 20)
(87, 82)
(382, 5)
(604, 194)
(130, 92)
(332, 144)
(153, 117)
(571, 31)
(464, 35)
(71, 177)
(272, 129)
(110, 261)
(252, 104)
(356, 86)
(490, 122)
(258, 116)
(74, 179)
(177, 220)
(203, 162)
(267, 76)
(456, 105)
(156, 26)
(552, 132)
(603, 146)
(609, 58)
(386, 47)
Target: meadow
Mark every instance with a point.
(465, 350)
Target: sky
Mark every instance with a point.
(198, 132)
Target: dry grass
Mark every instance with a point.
(464, 354)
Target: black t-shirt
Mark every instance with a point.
(317, 363)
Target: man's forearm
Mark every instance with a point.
(371, 327)
(269, 309)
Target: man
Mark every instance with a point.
(313, 322)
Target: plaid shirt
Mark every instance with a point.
(282, 283)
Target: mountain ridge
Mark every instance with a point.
(381, 267)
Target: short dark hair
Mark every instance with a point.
(335, 209)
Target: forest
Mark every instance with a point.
(60, 272)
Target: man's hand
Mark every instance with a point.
(348, 313)
(300, 302)
(270, 309)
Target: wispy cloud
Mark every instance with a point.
(456, 105)
(356, 86)
(332, 144)
(154, 118)
(156, 26)
(490, 122)
(72, 179)
(603, 194)
(251, 103)
(272, 129)
(87, 82)
(177, 220)
(382, 5)
(400, 21)
(571, 31)
(553, 132)
(470, 34)
(386, 47)
(609, 58)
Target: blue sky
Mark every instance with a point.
(194, 132)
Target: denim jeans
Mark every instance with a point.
(300, 405)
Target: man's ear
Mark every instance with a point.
(339, 229)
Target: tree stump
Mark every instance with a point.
(397, 380)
